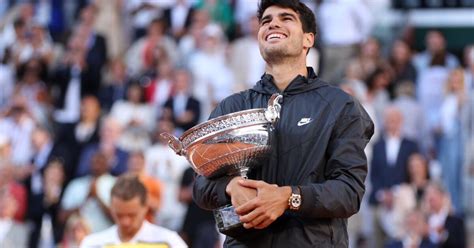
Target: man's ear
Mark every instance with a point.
(308, 40)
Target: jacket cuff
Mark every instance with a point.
(308, 200)
(222, 197)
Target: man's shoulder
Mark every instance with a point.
(101, 238)
(152, 233)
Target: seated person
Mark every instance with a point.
(128, 208)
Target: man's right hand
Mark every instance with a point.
(238, 193)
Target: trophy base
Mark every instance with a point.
(226, 219)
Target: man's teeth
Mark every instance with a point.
(275, 36)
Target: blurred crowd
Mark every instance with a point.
(86, 87)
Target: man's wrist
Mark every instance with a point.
(294, 200)
(228, 188)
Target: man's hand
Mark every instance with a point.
(270, 203)
(239, 194)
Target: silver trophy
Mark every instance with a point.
(231, 144)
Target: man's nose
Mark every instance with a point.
(275, 23)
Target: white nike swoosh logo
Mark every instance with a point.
(304, 121)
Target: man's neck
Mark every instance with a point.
(127, 237)
(283, 73)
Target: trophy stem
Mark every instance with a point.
(243, 172)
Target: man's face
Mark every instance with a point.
(435, 41)
(128, 215)
(281, 34)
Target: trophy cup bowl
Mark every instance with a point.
(231, 144)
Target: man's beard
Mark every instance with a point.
(275, 55)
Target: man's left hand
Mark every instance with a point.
(270, 203)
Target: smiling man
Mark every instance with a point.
(128, 208)
(314, 179)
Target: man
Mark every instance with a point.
(128, 209)
(444, 228)
(318, 155)
(389, 168)
(89, 195)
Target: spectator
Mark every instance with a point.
(141, 56)
(73, 79)
(7, 80)
(178, 18)
(414, 122)
(110, 132)
(95, 44)
(13, 233)
(39, 207)
(388, 167)
(220, 12)
(17, 124)
(159, 89)
(415, 236)
(430, 89)
(400, 61)
(143, 13)
(370, 58)
(193, 40)
(75, 231)
(110, 21)
(407, 197)
(182, 108)
(445, 228)
(89, 195)
(136, 118)
(451, 143)
(435, 46)
(213, 77)
(128, 210)
(115, 87)
(32, 86)
(75, 137)
(13, 193)
(136, 166)
(163, 164)
(344, 25)
(38, 46)
(377, 94)
(249, 70)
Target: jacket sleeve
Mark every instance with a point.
(340, 195)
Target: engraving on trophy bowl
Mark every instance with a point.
(229, 144)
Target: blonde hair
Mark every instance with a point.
(455, 72)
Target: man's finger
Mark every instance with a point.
(255, 222)
(250, 183)
(249, 217)
(247, 207)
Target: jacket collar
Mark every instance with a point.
(298, 85)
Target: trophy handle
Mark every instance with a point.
(174, 143)
(272, 113)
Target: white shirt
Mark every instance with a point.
(163, 163)
(75, 196)
(72, 102)
(344, 22)
(392, 148)
(148, 233)
(435, 221)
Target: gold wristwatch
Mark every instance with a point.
(294, 202)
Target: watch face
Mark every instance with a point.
(295, 201)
